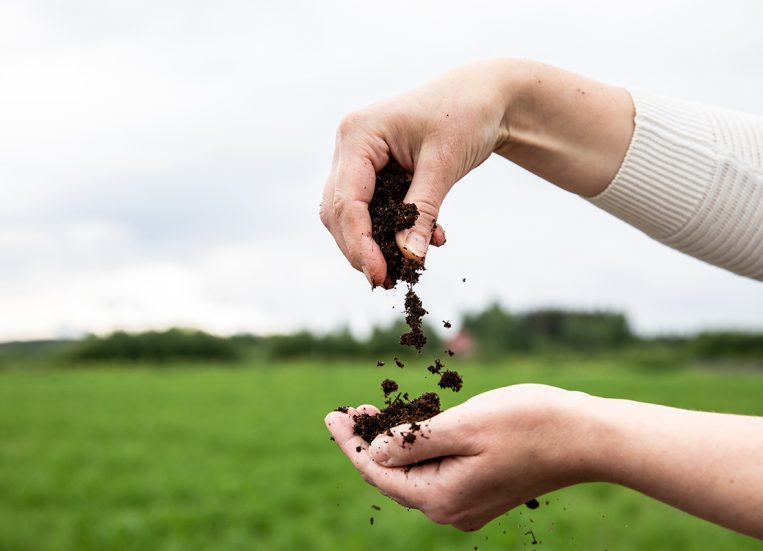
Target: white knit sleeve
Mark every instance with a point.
(693, 179)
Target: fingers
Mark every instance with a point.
(438, 236)
(358, 156)
(441, 436)
(432, 180)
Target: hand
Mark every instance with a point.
(438, 133)
(567, 129)
(477, 460)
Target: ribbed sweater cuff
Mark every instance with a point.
(692, 178)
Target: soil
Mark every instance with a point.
(532, 504)
(436, 368)
(452, 380)
(398, 411)
(446, 324)
(388, 387)
(414, 311)
(389, 215)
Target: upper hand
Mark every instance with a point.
(438, 133)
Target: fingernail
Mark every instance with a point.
(379, 451)
(368, 276)
(416, 244)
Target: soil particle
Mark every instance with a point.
(376, 507)
(532, 534)
(436, 368)
(449, 352)
(532, 504)
(398, 362)
(380, 363)
(343, 409)
(358, 449)
(388, 387)
(446, 324)
(452, 380)
(408, 438)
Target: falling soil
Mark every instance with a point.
(388, 387)
(389, 215)
(452, 380)
(436, 368)
(414, 311)
(446, 324)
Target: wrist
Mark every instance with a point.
(578, 450)
(568, 129)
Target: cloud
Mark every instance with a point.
(161, 163)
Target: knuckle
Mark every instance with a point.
(339, 204)
(350, 123)
(428, 209)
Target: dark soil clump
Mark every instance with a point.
(414, 311)
(532, 504)
(436, 368)
(390, 215)
(452, 380)
(397, 412)
(388, 387)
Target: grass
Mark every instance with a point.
(238, 458)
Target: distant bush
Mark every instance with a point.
(737, 345)
(497, 331)
(383, 342)
(155, 346)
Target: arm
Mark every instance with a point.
(689, 176)
(706, 464)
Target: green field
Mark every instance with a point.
(238, 458)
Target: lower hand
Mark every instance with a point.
(474, 462)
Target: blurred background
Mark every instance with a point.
(175, 321)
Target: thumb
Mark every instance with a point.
(440, 436)
(432, 180)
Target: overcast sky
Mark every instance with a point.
(161, 163)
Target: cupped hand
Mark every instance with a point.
(473, 462)
(437, 133)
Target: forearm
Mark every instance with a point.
(708, 464)
(568, 129)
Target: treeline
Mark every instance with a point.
(492, 333)
(497, 332)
